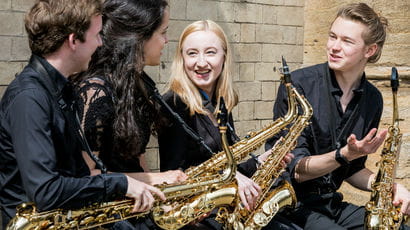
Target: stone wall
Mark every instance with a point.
(260, 31)
(318, 16)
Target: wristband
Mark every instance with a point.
(340, 158)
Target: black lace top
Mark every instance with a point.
(98, 120)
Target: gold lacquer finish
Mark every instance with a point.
(380, 211)
(177, 213)
(185, 203)
(250, 143)
(271, 201)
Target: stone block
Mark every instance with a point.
(165, 73)
(22, 5)
(152, 158)
(299, 35)
(11, 23)
(245, 111)
(292, 16)
(294, 2)
(171, 50)
(244, 127)
(8, 71)
(266, 71)
(269, 91)
(226, 12)
(201, 9)
(248, 33)
(5, 5)
(249, 91)
(20, 50)
(263, 110)
(176, 28)
(232, 31)
(274, 53)
(5, 48)
(269, 34)
(246, 71)
(270, 15)
(178, 9)
(268, 2)
(247, 52)
(248, 13)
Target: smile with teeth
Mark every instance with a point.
(202, 71)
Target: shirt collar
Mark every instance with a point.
(56, 77)
(335, 88)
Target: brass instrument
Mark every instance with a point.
(380, 211)
(250, 143)
(177, 213)
(203, 193)
(271, 201)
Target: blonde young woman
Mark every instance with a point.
(201, 74)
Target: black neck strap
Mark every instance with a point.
(51, 87)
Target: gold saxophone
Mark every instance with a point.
(179, 212)
(250, 143)
(271, 201)
(380, 211)
(202, 194)
(222, 195)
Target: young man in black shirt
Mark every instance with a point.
(346, 113)
(40, 145)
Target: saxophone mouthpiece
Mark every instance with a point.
(222, 113)
(286, 73)
(394, 80)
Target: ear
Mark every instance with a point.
(371, 50)
(72, 41)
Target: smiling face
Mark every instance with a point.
(204, 58)
(346, 49)
(92, 40)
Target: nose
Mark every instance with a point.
(336, 44)
(201, 61)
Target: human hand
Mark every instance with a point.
(401, 197)
(142, 194)
(173, 176)
(248, 191)
(369, 144)
(287, 159)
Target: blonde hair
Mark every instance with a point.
(376, 25)
(182, 85)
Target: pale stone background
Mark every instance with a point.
(260, 31)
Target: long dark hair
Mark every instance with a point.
(127, 25)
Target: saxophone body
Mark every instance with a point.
(185, 202)
(250, 143)
(177, 213)
(380, 211)
(271, 201)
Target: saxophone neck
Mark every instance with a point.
(230, 169)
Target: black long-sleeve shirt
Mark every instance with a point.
(178, 150)
(318, 138)
(40, 156)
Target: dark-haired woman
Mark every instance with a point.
(115, 111)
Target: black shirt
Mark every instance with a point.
(40, 157)
(179, 151)
(318, 137)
